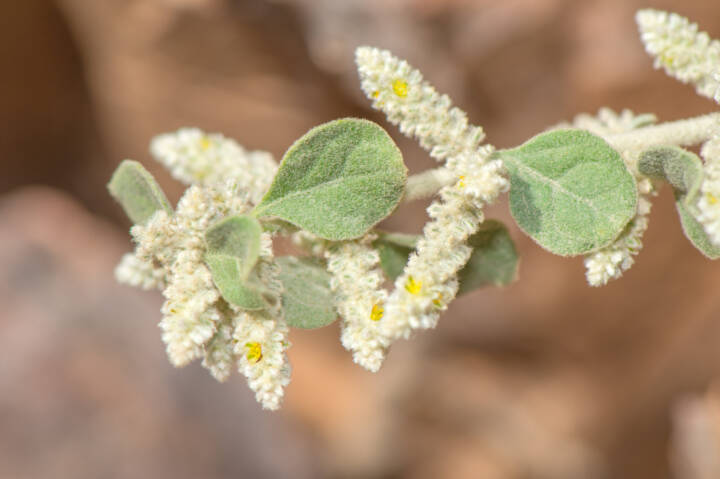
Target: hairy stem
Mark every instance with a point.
(689, 132)
(427, 183)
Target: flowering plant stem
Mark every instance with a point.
(582, 188)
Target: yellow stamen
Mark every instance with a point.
(375, 94)
(711, 199)
(461, 181)
(205, 143)
(438, 301)
(412, 286)
(400, 87)
(254, 352)
(376, 313)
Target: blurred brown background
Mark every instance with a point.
(547, 378)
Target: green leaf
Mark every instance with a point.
(137, 192)
(233, 250)
(307, 299)
(338, 180)
(684, 171)
(695, 232)
(679, 167)
(570, 191)
(493, 261)
(226, 276)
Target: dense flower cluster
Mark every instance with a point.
(709, 201)
(360, 300)
(429, 280)
(197, 322)
(686, 54)
(196, 157)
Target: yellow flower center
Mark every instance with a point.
(205, 143)
(461, 181)
(254, 352)
(376, 313)
(712, 199)
(413, 286)
(375, 94)
(400, 87)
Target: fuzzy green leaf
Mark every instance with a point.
(695, 232)
(307, 299)
(684, 171)
(338, 180)
(226, 276)
(137, 192)
(493, 261)
(570, 191)
(233, 249)
(681, 168)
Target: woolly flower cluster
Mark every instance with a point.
(398, 90)
(429, 281)
(709, 202)
(356, 280)
(686, 54)
(196, 157)
(611, 262)
(197, 323)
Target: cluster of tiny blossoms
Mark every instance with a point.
(686, 54)
(372, 318)
(356, 282)
(612, 261)
(195, 157)
(709, 201)
(197, 322)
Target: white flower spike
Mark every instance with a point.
(683, 52)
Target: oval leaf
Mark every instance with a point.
(137, 192)
(338, 180)
(307, 299)
(233, 249)
(570, 191)
(494, 259)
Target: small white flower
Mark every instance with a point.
(683, 52)
(195, 157)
